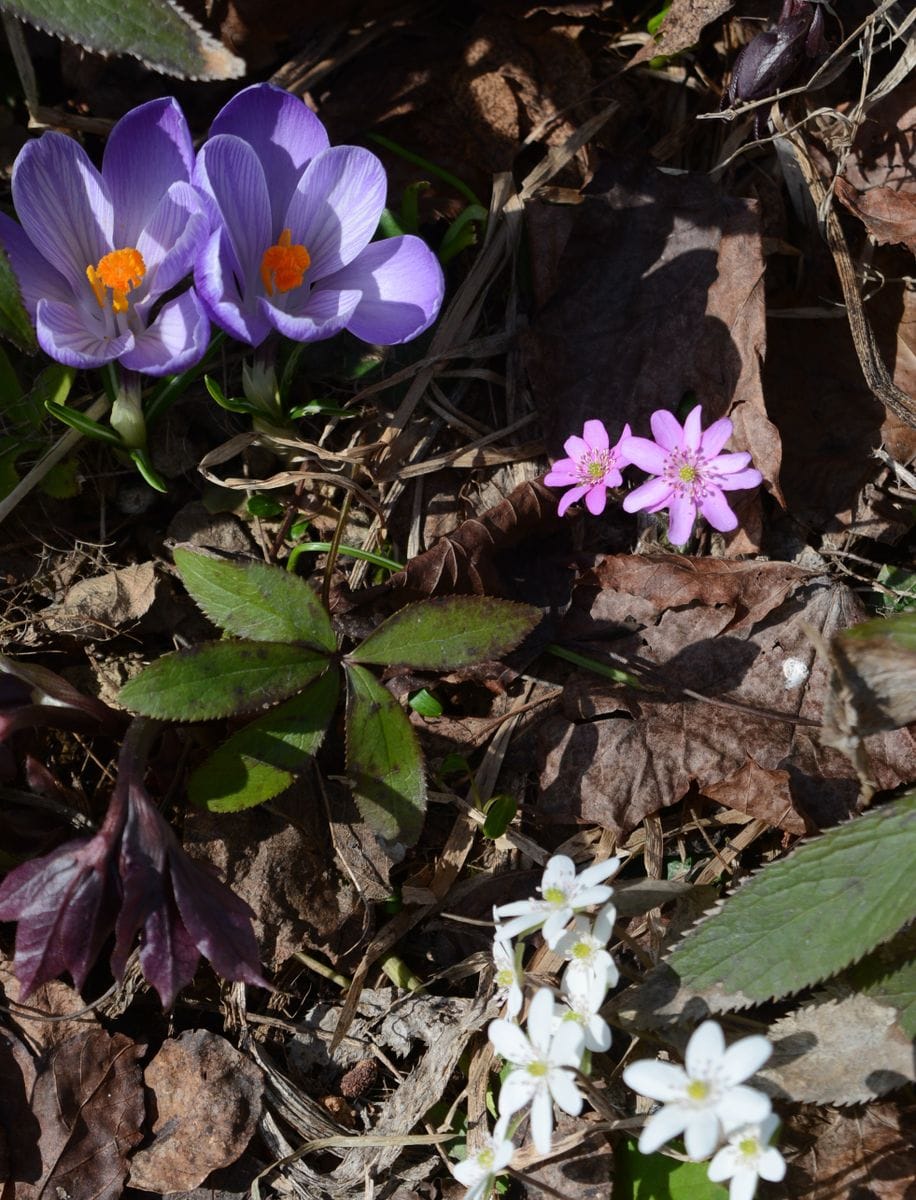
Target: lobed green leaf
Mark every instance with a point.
(261, 760)
(384, 762)
(441, 634)
(256, 600)
(157, 32)
(219, 679)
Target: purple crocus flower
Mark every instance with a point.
(691, 475)
(97, 249)
(593, 466)
(292, 223)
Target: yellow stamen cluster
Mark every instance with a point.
(284, 264)
(120, 271)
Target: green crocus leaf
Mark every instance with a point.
(261, 760)
(383, 759)
(441, 634)
(15, 325)
(157, 32)
(255, 600)
(806, 917)
(219, 679)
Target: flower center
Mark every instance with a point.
(581, 950)
(592, 469)
(537, 1069)
(284, 264)
(555, 895)
(748, 1147)
(505, 977)
(120, 271)
(485, 1157)
(687, 474)
(698, 1089)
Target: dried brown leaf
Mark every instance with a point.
(682, 26)
(88, 1102)
(208, 1100)
(104, 604)
(866, 1152)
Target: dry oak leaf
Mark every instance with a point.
(88, 1103)
(861, 1153)
(682, 26)
(107, 602)
(208, 1100)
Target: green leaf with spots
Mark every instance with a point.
(805, 917)
(255, 600)
(15, 325)
(157, 32)
(219, 679)
(261, 760)
(384, 762)
(441, 634)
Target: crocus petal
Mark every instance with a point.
(705, 1050)
(645, 454)
(336, 207)
(64, 206)
(701, 1134)
(715, 509)
(171, 239)
(284, 133)
(68, 335)
(516, 1091)
(569, 498)
(402, 286)
(215, 280)
(229, 170)
(563, 473)
(653, 494)
(657, 1080)
(715, 437)
(666, 429)
(509, 1041)
(596, 499)
(750, 478)
(662, 1126)
(683, 516)
(595, 435)
(325, 312)
(542, 1121)
(176, 340)
(743, 1106)
(147, 151)
(36, 277)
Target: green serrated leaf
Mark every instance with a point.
(156, 31)
(260, 761)
(15, 325)
(256, 600)
(657, 1177)
(219, 679)
(383, 760)
(441, 634)
(807, 916)
(888, 976)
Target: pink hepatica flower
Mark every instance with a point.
(593, 466)
(692, 476)
(293, 219)
(97, 250)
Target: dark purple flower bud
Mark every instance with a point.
(134, 878)
(770, 60)
(32, 696)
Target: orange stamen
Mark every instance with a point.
(121, 271)
(284, 264)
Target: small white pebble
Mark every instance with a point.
(795, 673)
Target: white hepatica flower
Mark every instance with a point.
(705, 1097)
(747, 1158)
(510, 977)
(478, 1172)
(584, 1002)
(542, 1067)
(584, 948)
(563, 894)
